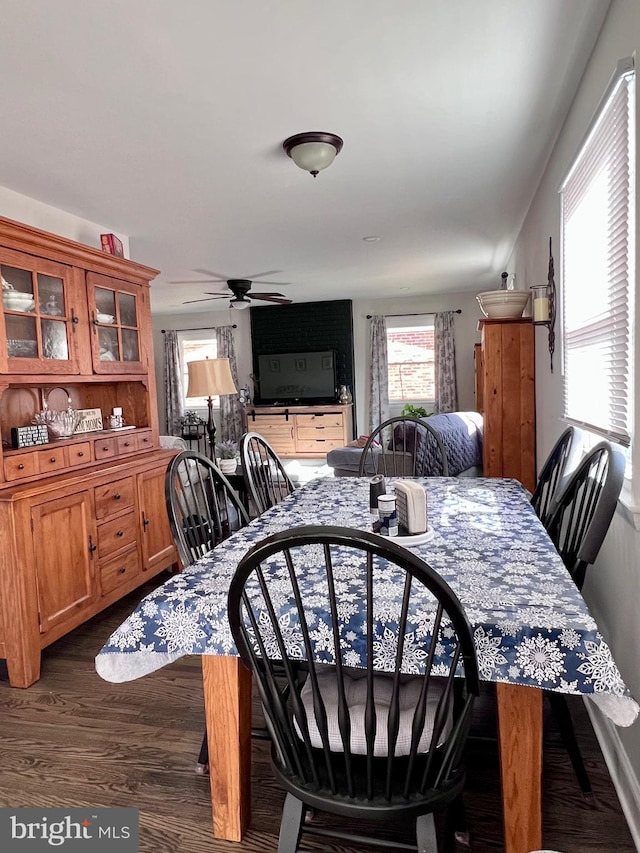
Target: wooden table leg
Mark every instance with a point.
(520, 736)
(227, 704)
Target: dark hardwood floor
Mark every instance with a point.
(74, 740)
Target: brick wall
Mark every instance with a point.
(306, 327)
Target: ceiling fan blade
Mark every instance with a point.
(281, 300)
(199, 281)
(254, 295)
(217, 276)
(208, 298)
(261, 274)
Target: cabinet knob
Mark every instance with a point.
(120, 533)
(80, 454)
(117, 496)
(121, 570)
(126, 444)
(20, 467)
(105, 449)
(52, 459)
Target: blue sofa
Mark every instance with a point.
(461, 434)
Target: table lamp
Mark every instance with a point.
(210, 378)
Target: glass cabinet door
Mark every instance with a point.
(115, 315)
(39, 323)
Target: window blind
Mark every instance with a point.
(598, 259)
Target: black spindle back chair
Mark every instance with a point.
(266, 481)
(558, 465)
(203, 510)
(578, 522)
(202, 505)
(404, 447)
(584, 509)
(359, 743)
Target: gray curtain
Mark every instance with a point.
(230, 407)
(378, 377)
(445, 363)
(173, 383)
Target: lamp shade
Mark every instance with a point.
(210, 377)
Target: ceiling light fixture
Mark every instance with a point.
(314, 150)
(239, 303)
(371, 238)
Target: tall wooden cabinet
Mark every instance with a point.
(83, 519)
(505, 392)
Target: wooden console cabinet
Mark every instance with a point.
(302, 432)
(83, 519)
(505, 388)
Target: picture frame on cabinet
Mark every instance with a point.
(90, 420)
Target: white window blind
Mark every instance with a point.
(598, 267)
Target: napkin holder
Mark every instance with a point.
(411, 505)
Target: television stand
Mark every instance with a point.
(302, 432)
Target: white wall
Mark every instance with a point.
(612, 589)
(27, 210)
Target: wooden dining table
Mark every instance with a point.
(532, 630)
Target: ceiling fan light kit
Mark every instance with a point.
(314, 150)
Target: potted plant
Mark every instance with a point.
(227, 456)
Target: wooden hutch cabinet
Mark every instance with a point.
(83, 519)
(505, 395)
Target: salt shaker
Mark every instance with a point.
(388, 515)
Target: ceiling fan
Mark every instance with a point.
(240, 290)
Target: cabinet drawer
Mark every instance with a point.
(331, 419)
(127, 443)
(52, 459)
(104, 448)
(319, 445)
(261, 420)
(21, 465)
(115, 534)
(79, 453)
(318, 432)
(145, 439)
(113, 497)
(118, 570)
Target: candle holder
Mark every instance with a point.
(544, 306)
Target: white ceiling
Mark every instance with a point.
(164, 120)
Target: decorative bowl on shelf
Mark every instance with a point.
(503, 304)
(59, 424)
(15, 300)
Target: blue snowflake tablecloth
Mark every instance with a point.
(531, 624)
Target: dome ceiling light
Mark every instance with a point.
(314, 150)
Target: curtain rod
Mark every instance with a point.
(197, 329)
(417, 314)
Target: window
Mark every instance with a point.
(194, 346)
(598, 251)
(410, 363)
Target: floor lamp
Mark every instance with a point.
(210, 378)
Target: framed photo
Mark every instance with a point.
(274, 365)
(90, 420)
(327, 362)
(301, 365)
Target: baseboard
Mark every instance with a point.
(622, 775)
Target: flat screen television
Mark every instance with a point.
(297, 377)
